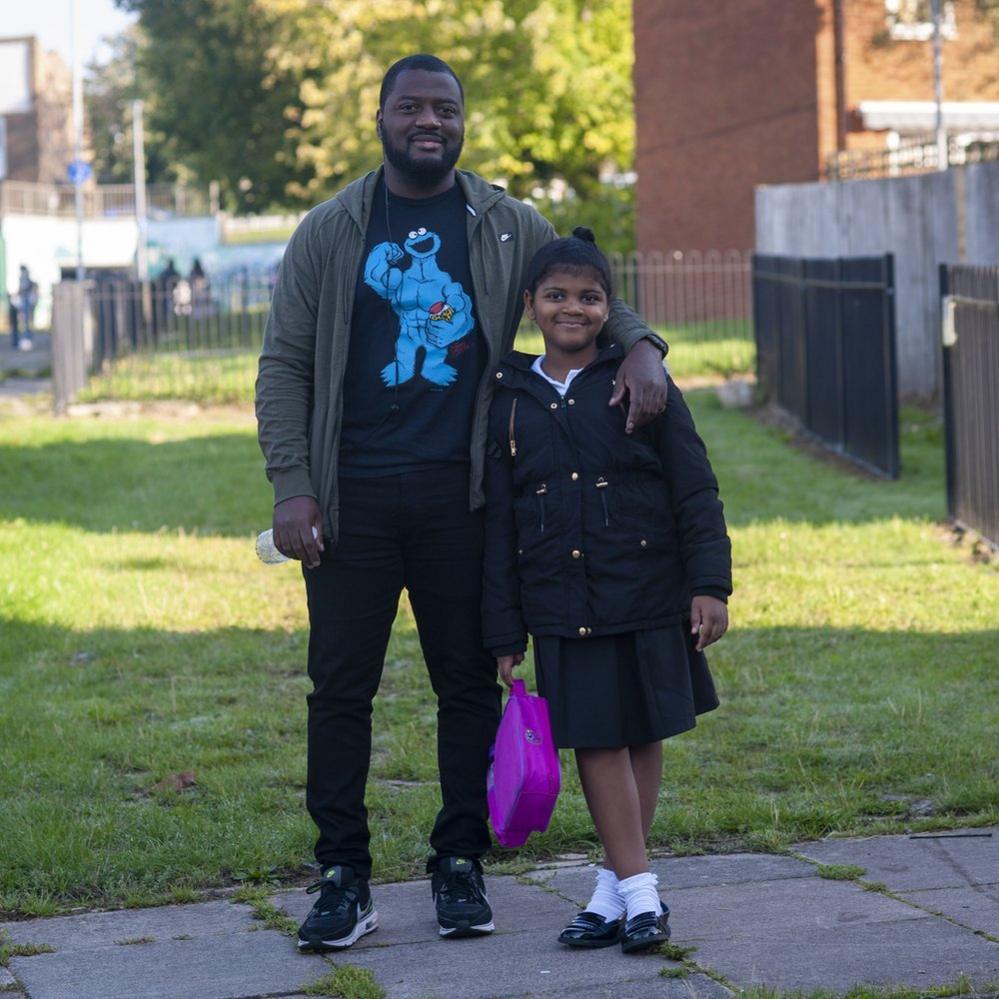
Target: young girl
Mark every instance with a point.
(611, 550)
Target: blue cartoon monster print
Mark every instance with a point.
(434, 311)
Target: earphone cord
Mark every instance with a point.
(395, 407)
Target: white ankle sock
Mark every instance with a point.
(607, 900)
(640, 894)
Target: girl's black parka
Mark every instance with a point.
(589, 530)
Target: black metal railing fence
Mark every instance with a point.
(199, 339)
(699, 300)
(177, 338)
(825, 340)
(911, 156)
(970, 335)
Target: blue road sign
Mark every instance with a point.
(79, 172)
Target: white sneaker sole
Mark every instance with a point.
(467, 931)
(367, 925)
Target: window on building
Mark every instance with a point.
(912, 20)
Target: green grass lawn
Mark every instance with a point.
(142, 639)
(221, 372)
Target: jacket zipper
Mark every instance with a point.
(541, 493)
(602, 485)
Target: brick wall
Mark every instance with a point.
(726, 98)
(735, 93)
(40, 141)
(54, 105)
(880, 68)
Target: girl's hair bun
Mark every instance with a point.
(585, 234)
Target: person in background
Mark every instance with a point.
(27, 295)
(14, 318)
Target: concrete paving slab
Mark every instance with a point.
(229, 966)
(917, 953)
(815, 933)
(507, 965)
(907, 863)
(406, 911)
(784, 908)
(7, 980)
(976, 906)
(692, 987)
(15, 387)
(577, 883)
(101, 929)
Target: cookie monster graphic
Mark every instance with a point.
(434, 311)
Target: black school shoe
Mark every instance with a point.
(590, 930)
(343, 914)
(645, 930)
(460, 898)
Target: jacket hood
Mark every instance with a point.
(356, 197)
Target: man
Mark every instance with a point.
(14, 317)
(395, 301)
(27, 296)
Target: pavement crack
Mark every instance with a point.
(939, 848)
(545, 886)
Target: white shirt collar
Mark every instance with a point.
(560, 387)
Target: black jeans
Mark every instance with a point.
(415, 531)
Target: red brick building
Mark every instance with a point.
(36, 108)
(736, 93)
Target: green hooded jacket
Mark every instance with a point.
(299, 397)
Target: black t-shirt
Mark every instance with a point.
(416, 354)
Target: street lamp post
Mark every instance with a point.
(941, 130)
(77, 177)
(139, 179)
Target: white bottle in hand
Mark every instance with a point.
(267, 551)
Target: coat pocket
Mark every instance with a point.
(641, 514)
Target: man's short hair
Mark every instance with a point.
(428, 63)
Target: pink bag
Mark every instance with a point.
(524, 776)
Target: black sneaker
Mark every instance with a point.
(460, 897)
(343, 914)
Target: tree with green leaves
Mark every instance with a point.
(547, 83)
(276, 98)
(109, 90)
(223, 104)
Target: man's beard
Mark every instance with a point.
(426, 171)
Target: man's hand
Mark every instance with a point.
(506, 664)
(708, 620)
(643, 377)
(294, 520)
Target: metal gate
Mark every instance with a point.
(825, 347)
(970, 333)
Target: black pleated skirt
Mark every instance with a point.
(623, 690)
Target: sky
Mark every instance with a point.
(50, 21)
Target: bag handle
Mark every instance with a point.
(519, 688)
